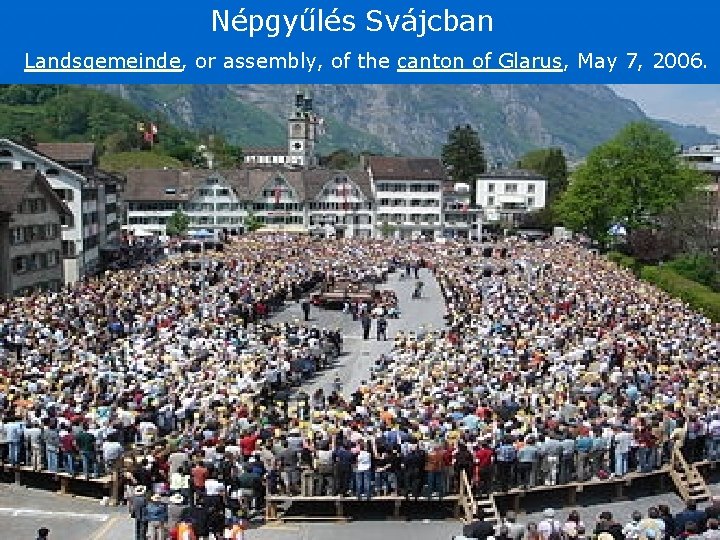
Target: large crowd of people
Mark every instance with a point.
(657, 523)
(555, 365)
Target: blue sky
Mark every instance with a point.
(685, 104)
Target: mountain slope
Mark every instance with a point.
(411, 119)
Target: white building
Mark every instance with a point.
(265, 156)
(706, 158)
(507, 194)
(210, 199)
(459, 216)
(70, 171)
(408, 194)
(340, 203)
(289, 200)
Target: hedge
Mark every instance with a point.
(698, 296)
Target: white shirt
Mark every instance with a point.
(364, 461)
(213, 487)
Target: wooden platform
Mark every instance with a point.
(66, 483)
(465, 504)
(339, 506)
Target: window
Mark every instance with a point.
(52, 172)
(224, 192)
(17, 236)
(65, 194)
(511, 188)
(5, 166)
(531, 188)
(40, 261)
(68, 248)
(5, 153)
(20, 265)
(170, 191)
(205, 192)
(28, 166)
(491, 188)
(531, 202)
(491, 201)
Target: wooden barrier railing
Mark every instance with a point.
(467, 499)
(687, 478)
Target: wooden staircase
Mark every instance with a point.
(689, 482)
(469, 505)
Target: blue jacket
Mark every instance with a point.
(157, 511)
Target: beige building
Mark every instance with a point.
(30, 233)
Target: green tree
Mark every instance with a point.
(177, 224)
(464, 155)
(225, 155)
(340, 160)
(252, 223)
(551, 163)
(630, 180)
(386, 229)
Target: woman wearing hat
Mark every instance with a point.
(157, 517)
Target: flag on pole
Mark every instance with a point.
(278, 194)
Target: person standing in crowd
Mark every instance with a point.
(381, 327)
(366, 323)
(137, 506)
(305, 304)
(157, 517)
(363, 472)
(505, 459)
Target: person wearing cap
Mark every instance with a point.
(549, 528)
(515, 530)
(137, 506)
(157, 517)
(653, 526)
(632, 529)
(175, 508)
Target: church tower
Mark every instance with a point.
(303, 127)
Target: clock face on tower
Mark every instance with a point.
(297, 146)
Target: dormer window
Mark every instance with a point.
(170, 191)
